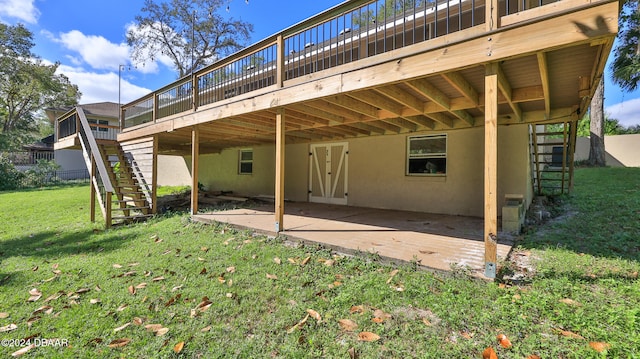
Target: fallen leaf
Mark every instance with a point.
(292, 261)
(377, 320)
(117, 266)
(153, 327)
(426, 322)
(8, 328)
(315, 315)
(599, 346)
(122, 327)
(157, 279)
(178, 347)
(54, 296)
(277, 260)
(231, 269)
(54, 266)
(298, 325)
(347, 325)
(368, 336)
(132, 290)
(572, 302)
(34, 295)
(176, 288)
(4, 315)
(206, 329)
(22, 351)
(391, 275)
(44, 309)
(118, 343)
(56, 271)
(305, 261)
(122, 307)
(533, 356)
(329, 262)
(141, 285)
(572, 335)
(94, 301)
(489, 353)
(353, 353)
(32, 320)
(137, 321)
(272, 276)
(34, 268)
(356, 309)
(162, 331)
(503, 341)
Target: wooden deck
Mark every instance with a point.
(435, 241)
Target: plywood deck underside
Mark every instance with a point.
(436, 241)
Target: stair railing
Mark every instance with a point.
(92, 156)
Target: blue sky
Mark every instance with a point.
(87, 38)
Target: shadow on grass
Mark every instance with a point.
(53, 244)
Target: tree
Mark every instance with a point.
(179, 30)
(387, 11)
(596, 112)
(626, 58)
(27, 86)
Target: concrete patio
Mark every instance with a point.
(435, 241)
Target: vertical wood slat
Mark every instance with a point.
(492, 18)
(93, 191)
(154, 177)
(279, 190)
(491, 170)
(195, 153)
(280, 69)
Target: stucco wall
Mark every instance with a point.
(377, 172)
(621, 150)
(173, 171)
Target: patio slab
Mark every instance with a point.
(434, 241)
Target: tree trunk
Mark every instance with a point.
(596, 151)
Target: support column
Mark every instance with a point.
(195, 154)
(92, 195)
(280, 143)
(491, 170)
(154, 177)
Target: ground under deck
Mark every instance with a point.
(435, 241)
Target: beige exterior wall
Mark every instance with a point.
(173, 171)
(377, 167)
(621, 150)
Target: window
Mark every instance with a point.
(98, 122)
(427, 155)
(245, 162)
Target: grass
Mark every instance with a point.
(227, 293)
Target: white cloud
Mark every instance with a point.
(96, 51)
(19, 9)
(101, 87)
(627, 112)
(150, 66)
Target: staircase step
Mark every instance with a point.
(549, 133)
(136, 217)
(551, 144)
(129, 208)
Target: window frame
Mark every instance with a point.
(242, 161)
(439, 156)
(96, 122)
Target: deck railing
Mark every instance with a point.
(69, 125)
(347, 33)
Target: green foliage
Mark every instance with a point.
(179, 29)
(626, 61)
(10, 177)
(612, 127)
(27, 86)
(43, 172)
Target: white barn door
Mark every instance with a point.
(328, 163)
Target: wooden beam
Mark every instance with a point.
(544, 78)
(463, 87)
(195, 154)
(492, 16)
(280, 150)
(154, 177)
(354, 105)
(491, 170)
(505, 88)
(280, 57)
(92, 194)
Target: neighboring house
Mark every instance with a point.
(621, 150)
(433, 109)
(32, 153)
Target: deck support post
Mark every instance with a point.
(154, 176)
(491, 170)
(280, 71)
(195, 154)
(279, 190)
(92, 195)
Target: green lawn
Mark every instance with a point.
(147, 290)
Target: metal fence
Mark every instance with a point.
(35, 179)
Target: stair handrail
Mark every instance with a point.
(93, 157)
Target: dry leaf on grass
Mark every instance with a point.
(34, 295)
(162, 331)
(347, 325)
(277, 260)
(533, 356)
(298, 325)
(22, 351)
(157, 279)
(368, 336)
(315, 315)
(571, 335)
(305, 261)
(122, 327)
(356, 309)
(272, 276)
(178, 347)
(503, 341)
(4, 315)
(391, 275)
(599, 346)
(122, 307)
(137, 321)
(8, 328)
(117, 266)
(489, 353)
(206, 329)
(94, 301)
(231, 269)
(141, 285)
(132, 290)
(118, 343)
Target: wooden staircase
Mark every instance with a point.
(552, 157)
(126, 191)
